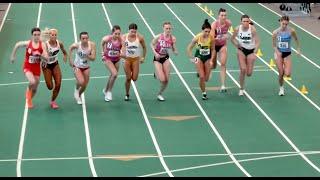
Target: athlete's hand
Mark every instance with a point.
(276, 54)
(122, 55)
(12, 59)
(299, 52)
(71, 64)
(44, 64)
(65, 58)
(211, 63)
(102, 54)
(157, 56)
(194, 60)
(141, 60)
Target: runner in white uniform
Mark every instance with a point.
(51, 69)
(86, 51)
(247, 42)
(133, 44)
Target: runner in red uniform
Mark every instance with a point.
(35, 50)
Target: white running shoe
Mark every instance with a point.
(105, 95)
(204, 96)
(126, 97)
(109, 95)
(79, 101)
(76, 96)
(241, 92)
(281, 91)
(223, 89)
(160, 97)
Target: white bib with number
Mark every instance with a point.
(283, 44)
(113, 53)
(204, 52)
(34, 59)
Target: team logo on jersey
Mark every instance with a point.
(29, 50)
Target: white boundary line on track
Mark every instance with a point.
(25, 118)
(5, 17)
(222, 163)
(272, 122)
(154, 156)
(154, 139)
(85, 118)
(296, 89)
(306, 58)
(291, 22)
(199, 106)
(289, 83)
(122, 75)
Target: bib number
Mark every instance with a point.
(283, 45)
(204, 52)
(52, 59)
(131, 52)
(34, 59)
(112, 53)
(163, 51)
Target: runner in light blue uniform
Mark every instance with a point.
(281, 42)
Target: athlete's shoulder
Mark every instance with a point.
(253, 28)
(275, 31)
(229, 23)
(140, 36)
(107, 37)
(124, 36)
(158, 36)
(92, 43)
(214, 24)
(292, 29)
(174, 39)
(198, 35)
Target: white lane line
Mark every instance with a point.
(273, 123)
(153, 137)
(85, 118)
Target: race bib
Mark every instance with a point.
(131, 51)
(283, 45)
(219, 36)
(84, 63)
(34, 59)
(163, 51)
(52, 59)
(113, 53)
(204, 52)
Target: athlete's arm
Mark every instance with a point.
(123, 47)
(153, 44)
(14, 51)
(233, 38)
(213, 28)
(256, 38)
(65, 54)
(294, 35)
(212, 48)
(174, 45)
(44, 54)
(71, 48)
(144, 47)
(190, 47)
(274, 40)
(227, 36)
(92, 55)
(103, 43)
